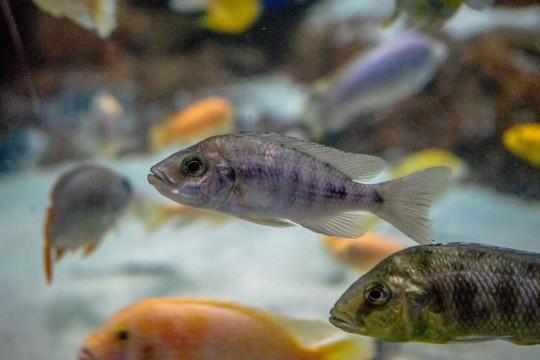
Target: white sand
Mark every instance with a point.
(283, 270)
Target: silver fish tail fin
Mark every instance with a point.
(405, 202)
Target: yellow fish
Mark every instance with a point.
(85, 203)
(196, 329)
(232, 16)
(211, 116)
(365, 252)
(424, 159)
(524, 142)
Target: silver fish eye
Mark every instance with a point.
(377, 294)
(193, 165)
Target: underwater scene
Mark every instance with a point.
(269, 179)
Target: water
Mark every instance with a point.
(170, 63)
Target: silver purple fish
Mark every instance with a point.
(276, 180)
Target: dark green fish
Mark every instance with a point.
(277, 180)
(446, 293)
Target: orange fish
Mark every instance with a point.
(211, 116)
(365, 252)
(85, 203)
(196, 329)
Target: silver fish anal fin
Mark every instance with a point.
(356, 166)
(346, 225)
(275, 222)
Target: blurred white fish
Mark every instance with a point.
(389, 73)
(96, 15)
(105, 127)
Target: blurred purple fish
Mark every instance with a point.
(389, 73)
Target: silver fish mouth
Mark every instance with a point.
(85, 354)
(344, 322)
(157, 177)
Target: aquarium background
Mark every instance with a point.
(159, 59)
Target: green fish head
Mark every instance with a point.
(383, 304)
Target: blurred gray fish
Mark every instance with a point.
(446, 293)
(389, 73)
(85, 203)
(275, 180)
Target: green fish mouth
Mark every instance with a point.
(344, 322)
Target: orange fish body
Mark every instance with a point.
(85, 203)
(362, 253)
(211, 116)
(194, 329)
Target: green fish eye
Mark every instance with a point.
(377, 294)
(193, 165)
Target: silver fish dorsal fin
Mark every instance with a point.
(356, 166)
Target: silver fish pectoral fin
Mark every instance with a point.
(347, 224)
(275, 222)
